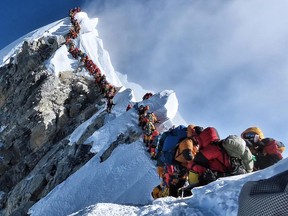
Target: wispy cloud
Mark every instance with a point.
(227, 60)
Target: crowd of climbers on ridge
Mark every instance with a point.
(194, 156)
(187, 156)
(107, 89)
(147, 120)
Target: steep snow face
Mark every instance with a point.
(163, 104)
(88, 42)
(128, 170)
(130, 173)
(215, 199)
(126, 177)
(61, 61)
(58, 29)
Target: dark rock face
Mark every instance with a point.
(38, 111)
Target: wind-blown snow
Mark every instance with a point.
(122, 184)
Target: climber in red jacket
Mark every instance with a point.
(209, 160)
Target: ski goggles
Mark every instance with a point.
(249, 135)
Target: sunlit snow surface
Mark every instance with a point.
(122, 184)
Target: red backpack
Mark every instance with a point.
(271, 146)
(208, 136)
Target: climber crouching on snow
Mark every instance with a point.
(218, 158)
(173, 170)
(267, 151)
(208, 158)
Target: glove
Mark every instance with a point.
(209, 176)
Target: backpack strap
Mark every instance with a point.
(176, 155)
(237, 162)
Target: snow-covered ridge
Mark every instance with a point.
(58, 28)
(128, 176)
(89, 43)
(120, 121)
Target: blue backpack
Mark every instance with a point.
(170, 144)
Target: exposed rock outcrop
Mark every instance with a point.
(38, 110)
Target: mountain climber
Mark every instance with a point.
(142, 111)
(152, 117)
(148, 128)
(100, 78)
(185, 154)
(267, 151)
(76, 26)
(147, 96)
(209, 161)
(110, 104)
(68, 39)
(106, 89)
(72, 33)
(175, 178)
(75, 52)
(153, 143)
(160, 144)
(174, 170)
(129, 106)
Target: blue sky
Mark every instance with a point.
(227, 61)
(21, 17)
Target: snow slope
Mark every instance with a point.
(217, 199)
(58, 28)
(121, 185)
(129, 172)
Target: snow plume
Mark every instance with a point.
(226, 60)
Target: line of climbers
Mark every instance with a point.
(107, 89)
(147, 121)
(187, 156)
(193, 156)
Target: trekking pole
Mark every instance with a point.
(181, 192)
(185, 186)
